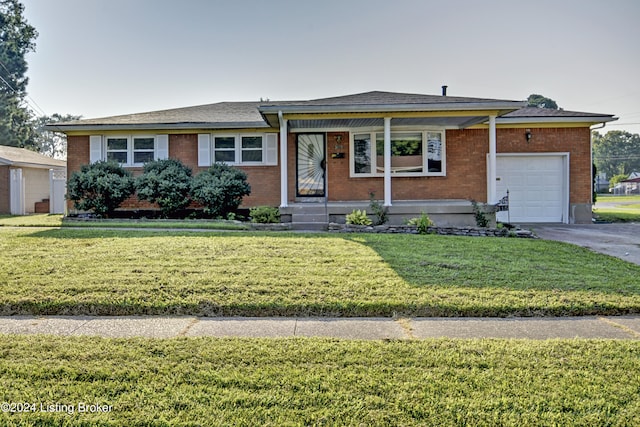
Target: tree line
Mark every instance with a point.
(19, 126)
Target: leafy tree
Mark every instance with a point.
(100, 187)
(17, 38)
(616, 179)
(617, 152)
(167, 183)
(535, 100)
(220, 189)
(49, 143)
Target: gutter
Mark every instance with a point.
(387, 108)
(156, 126)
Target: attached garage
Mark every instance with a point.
(538, 186)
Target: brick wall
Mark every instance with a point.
(264, 180)
(575, 141)
(466, 152)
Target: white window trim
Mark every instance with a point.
(146, 150)
(235, 147)
(425, 160)
(238, 149)
(159, 153)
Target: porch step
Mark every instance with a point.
(309, 217)
(309, 226)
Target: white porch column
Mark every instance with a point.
(492, 190)
(284, 196)
(387, 161)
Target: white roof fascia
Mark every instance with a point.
(154, 126)
(573, 119)
(384, 108)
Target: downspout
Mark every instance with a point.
(283, 161)
(492, 197)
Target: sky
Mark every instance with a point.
(99, 58)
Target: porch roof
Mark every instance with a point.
(369, 109)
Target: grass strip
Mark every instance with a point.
(300, 382)
(103, 272)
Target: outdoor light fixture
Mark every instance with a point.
(527, 135)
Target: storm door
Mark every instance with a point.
(310, 165)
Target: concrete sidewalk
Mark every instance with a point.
(611, 327)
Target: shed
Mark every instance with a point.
(31, 182)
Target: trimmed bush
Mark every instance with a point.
(167, 183)
(220, 189)
(100, 187)
(265, 215)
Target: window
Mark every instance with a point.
(238, 149)
(118, 149)
(251, 149)
(143, 149)
(129, 150)
(224, 149)
(412, 153)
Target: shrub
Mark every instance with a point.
(167, 183)
(381, 212)
(100, 187)
(265, 215)
(481, 219)
(358, 217)
(422, 223)
(220, 189)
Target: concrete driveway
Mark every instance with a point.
(620, 240)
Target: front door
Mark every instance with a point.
(310, 165)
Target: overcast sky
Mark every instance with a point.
(107, 57)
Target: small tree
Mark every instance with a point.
(220, 189)
(167, 183)
(614, 180)
(100, 187)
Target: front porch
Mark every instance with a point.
(317, 215)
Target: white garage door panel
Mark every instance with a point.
(536, 187)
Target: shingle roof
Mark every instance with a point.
(239, 115)
(548, 112)
(15, 156)
(222, 114)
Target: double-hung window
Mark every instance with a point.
(238, 149)
(412, 153)
(128, 150)
(224, 149)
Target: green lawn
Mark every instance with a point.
(302, 382)
(37, 220)
(62, 271)
(45, 220)
(619, 213)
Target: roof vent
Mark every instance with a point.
(444, 90)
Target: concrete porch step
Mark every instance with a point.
(309, 218)
(309, 226)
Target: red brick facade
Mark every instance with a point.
(466, 152)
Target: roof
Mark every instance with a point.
(258, 115)
(631, 180)
(21, 157)
(220, 115)
(537, 115)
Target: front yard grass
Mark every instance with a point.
(102, 272)
(627, 212)
(300, 382)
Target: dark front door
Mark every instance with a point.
(310, 165)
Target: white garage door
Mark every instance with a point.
(537, 187)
